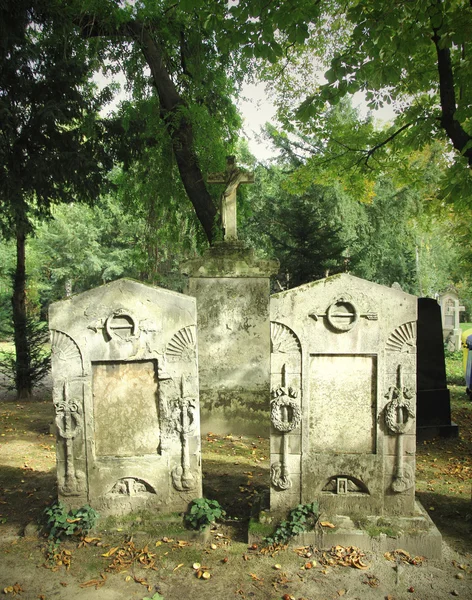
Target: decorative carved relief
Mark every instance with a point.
(69, 426)
(399, 415)
(283, 339)
(121, 325)
(343, 314)
(131, 486)
(285, 412)
(285, 416)
(403, 339)
(64, 349)
(184, 410)
(345, 485)
(183, 345)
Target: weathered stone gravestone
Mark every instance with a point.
(343, 380)
(450, 313)
(125, 376)
(232, 289)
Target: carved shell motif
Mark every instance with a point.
(403, 338)
(182, 346)
(283, 339)
(64, 348)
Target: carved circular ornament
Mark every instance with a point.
(342, 315)
(276, 414)
(121, 324)
(391, 416)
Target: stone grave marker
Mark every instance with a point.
(450, 313)
(124, 367)
(343, 381)
(433, 399)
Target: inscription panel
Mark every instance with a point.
(125, 408)
(343, 402)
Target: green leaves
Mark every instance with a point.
(302, 518)
(202, 513)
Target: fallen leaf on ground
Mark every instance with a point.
(327, 524)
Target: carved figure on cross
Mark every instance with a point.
(232, 177)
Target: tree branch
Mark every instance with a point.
(174, 112)
(456, 133)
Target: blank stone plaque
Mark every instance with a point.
(343, 398)
(125, 408)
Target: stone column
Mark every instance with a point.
(232, 291)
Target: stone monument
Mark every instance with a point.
(125, 375)
(232, 291)
(343, 411)
(433, 399)
(450, 313)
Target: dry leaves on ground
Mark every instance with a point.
(127, 554)
(403, 556)
(344, 556)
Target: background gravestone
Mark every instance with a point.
(124, 366)
(450, 313)
(433, 400)
(343, 380)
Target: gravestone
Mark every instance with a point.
(125, 393)
(433, 399)
(232, 289)
(343, 381)
(450, 313)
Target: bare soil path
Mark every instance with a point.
(235, 469)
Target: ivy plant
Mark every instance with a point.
(203, 512)
(301, 518)
(59, 522)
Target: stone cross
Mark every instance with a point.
(232, 177)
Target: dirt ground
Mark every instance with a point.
(234, 470)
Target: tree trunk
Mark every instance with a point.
(174, 113)
(22, 368)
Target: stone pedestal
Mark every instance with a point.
(232, 291)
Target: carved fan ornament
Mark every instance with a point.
(403, 339)
(63, 347)
(283, 339)
(182, 346)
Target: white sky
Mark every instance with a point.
(257, 110)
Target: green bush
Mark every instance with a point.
(60, 523)
(203, 512)
(302, 518)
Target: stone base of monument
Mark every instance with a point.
(159, 525)
(434, 415)
(417, 535)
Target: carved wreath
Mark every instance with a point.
(402, 401)
(276, 415)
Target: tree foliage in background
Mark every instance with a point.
(50, 142)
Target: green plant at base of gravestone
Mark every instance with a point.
(58, 522)
(156, 596)
(301, 518)
(202, 513)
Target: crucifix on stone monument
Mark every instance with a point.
(232, 177)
